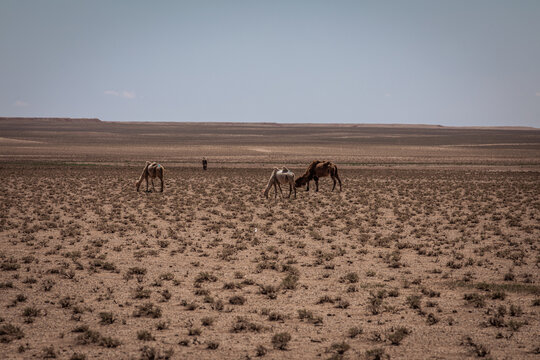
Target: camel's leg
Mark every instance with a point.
(334, 179)
(316, 184)
(275, 190)
(153, 187)
(307, 186)
(294, 188)
(161, 178)
(290, 191)
(146, 180)
(281, 191)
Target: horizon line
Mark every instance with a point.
(367, 124)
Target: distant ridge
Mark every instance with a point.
(277, 124)
(51, 119)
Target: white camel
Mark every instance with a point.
(151, 170)
(283, 176)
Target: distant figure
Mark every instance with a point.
(204, 164)
(151, 170)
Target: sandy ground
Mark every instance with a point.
(430, 251)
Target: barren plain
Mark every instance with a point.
(431, 251)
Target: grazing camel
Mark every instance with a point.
(152, 170)
(318, 169)
(283, 176)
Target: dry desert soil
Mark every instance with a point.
(430, 251)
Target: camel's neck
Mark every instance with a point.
(307, 175)
(143, 174)
(270, 182)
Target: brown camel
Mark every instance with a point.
(151, 170)
(318, 169)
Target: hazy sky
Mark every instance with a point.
(452, 62)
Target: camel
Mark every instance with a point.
(318, 169)
(152, 170)
(283, 176)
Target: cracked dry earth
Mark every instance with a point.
(402, 264)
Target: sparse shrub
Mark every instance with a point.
(135, 271)
(242, 324)
(212, 345)
(414, 301)
(49, 353)
(30, 312)
(350, 278)
(498, 295)
(396, 336)
(355, 331)
(275, 316)
(305, 314)
(10, 332)
(205, 277)
(340, 348)
(107, 318)
(375, 354)
(269, 290)
(280, 340)
(10, 265)
(94, 337)
(141, 293)
(237, 300)
(509, 276)
(151, 353)
(145, 335)
(479, 349)
(475, 299)
(515, 325)
(65, 302)
(78, 356)
(218, 305)
(162, 325)
(432, 319)
(260, 350)
(207, 321)
(290, 282)
(376, 301)
(325, 299)
(194, 331)
(497, 321)
(48, 284)
(165, 295)
(515, 310)
(148, 310)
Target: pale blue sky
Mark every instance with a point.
(470, 62)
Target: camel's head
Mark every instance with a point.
(301, 181)
(137, 185)
(265, 193)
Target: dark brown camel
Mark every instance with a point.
(318, 169)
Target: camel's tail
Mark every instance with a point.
(336, 171)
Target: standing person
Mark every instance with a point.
(204, 163)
